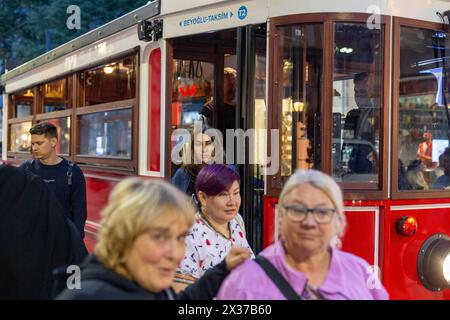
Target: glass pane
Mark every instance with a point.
(112, 82)
(106, 134)
(423, 110)
(301, 91)
(23, 103)
(193, 90)
(63, 126)
(57, 96)
(20, 137)
(357, 95)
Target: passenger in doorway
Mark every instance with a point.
(218, 227)
(443, 181)
(226, 114)
(64, 178)
(36, 238)
(141, 243)
(306, 258)
(202, 153)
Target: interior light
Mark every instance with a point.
(108, 69)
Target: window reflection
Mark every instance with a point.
(20, 137)
(63, 127)
(106, 134)
(357, 93)
(56, 95)
(112, 82)
(301, 90)
(23, 103)
(423, 110)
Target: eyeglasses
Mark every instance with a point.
(299, 213)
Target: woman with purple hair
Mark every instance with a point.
(217, 227)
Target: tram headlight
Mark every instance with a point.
(446, 267)
(433, 262)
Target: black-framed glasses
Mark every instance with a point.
(299, 213)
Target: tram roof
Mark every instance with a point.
(151, 9)
(174, 10)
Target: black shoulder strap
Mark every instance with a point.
(281, 283)
(69, 174)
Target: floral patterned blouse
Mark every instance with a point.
(206, 247)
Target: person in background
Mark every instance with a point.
(140, 245)
(443, 181)
(218, 227)
(306, 262)
(424, 152)
(202, 153)
(64, 178)
(36, 238)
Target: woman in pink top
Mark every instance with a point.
(306, 256)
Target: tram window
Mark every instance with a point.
(423, 128)
(106, 134)
(57, 95)
(63, 127)
(20, 139)
(23, 103)
(301, 92)
(112, 82)
(357, 95)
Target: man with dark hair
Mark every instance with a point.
(361, 121)
(64, 178)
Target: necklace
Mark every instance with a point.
(206, 219)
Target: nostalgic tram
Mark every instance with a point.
(357, 89)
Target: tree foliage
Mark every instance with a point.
(29, 28)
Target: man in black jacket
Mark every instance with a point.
(35, 236)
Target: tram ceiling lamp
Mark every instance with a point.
(150, 30)
(433, 262)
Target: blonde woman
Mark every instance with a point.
(141, 244)
(305, 263)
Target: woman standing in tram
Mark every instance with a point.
(218, 227)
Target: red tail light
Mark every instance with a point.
(407, 226)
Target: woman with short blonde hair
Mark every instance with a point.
(141, 244)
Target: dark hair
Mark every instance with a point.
(215, 178)
(360, 76)
(45, 128)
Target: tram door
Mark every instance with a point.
(219, 79)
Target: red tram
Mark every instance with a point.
(304, 72)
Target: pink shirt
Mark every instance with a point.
(349, 278)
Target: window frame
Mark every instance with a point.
(396, 193)
(75, 84)
(352, 191)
